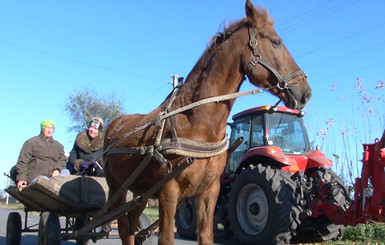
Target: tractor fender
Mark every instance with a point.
(317, 158)
(272, 152)
(291, 163)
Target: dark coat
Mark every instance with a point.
(85, 149)
(39, 156)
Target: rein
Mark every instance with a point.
(164, 115)
(187, 147)
(179, 146)
(283, 81)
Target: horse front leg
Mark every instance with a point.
(128, 223)
(133, 217)
(168, 200)
(205, 206)
(124, 225)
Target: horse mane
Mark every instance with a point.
(222, 36)
(213, 44)
(219, 38)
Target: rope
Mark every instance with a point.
(183, 109)
(210, 100)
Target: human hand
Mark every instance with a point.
(84, 165)
(92, 165)
(55, 173)
(95, 165)
(21, 184)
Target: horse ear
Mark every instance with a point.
(251, 13)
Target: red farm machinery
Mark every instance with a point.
(276, 190)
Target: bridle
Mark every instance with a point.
(283, 81)
(282, 84)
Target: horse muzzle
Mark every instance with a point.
(297, 92)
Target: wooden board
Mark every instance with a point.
(63, 194)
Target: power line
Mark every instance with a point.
(341, 39)
(318, 16)
(322, 15)
(355, 52)
(301, 14)
(79, 61)
(351, 70)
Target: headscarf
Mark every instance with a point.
(46, 122)
(96, 122)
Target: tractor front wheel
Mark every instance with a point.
(261, 207)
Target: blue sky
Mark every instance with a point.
(49, 49)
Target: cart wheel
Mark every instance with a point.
(79, 223)
(14, 229)
(49, 229)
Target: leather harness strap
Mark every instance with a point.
(163, 116)
(283, 81)
(193, 148)
(188, 147)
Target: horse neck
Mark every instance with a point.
(219, 76)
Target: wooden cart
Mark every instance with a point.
(75, 198)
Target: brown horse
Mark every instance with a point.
(249, 47)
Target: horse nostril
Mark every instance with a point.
(306, 97)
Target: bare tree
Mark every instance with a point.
(85, 104)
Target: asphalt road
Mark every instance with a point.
(30, 238)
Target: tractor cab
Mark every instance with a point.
(272, 131)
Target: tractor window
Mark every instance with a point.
(257, 131)
(287, 132)
(240, 129)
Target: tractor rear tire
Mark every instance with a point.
(262, 207)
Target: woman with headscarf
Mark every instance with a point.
(86, 156)
(40, 156)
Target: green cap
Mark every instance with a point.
(46, 122)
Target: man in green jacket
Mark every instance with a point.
(41, 155)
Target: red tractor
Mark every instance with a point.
(276, 190)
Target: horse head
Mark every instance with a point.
(269, 64)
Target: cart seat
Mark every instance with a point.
(63, 194)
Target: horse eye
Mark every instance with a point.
(277, 43)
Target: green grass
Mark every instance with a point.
(365, 233)
(18, 206)
(14, 206)
(152, 213)
(361, 234)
